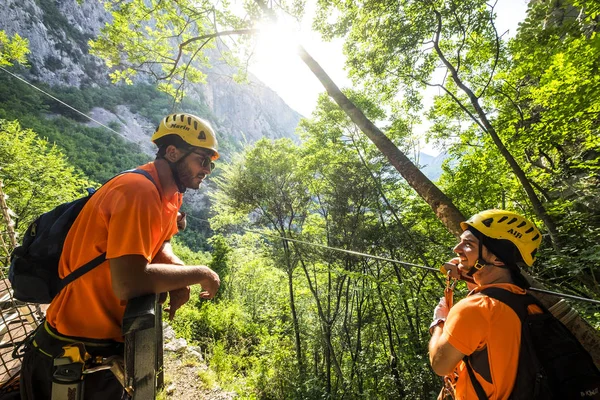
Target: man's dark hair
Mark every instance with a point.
(506, 251)
(177, 141)
(167, 141)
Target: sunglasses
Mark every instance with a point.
(206, 161)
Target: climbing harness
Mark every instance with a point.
(67, 379)
(71, 367)
(448, 388)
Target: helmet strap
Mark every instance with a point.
(478, 265)
(475, 267)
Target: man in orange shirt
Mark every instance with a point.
(494, 244)
(131, 219)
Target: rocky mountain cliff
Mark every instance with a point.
(432, 165)
(58, 32)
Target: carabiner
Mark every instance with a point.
(449, 290)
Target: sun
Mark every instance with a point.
(276, 62)
(277, 40)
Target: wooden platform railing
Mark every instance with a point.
(142, 329)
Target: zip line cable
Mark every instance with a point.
(356, 253)
(570, 296)
(60, 101)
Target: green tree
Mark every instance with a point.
(141, 39)
(360, 205)
(401, 45)
(548, 104)
(36, 175)
(265, 184)
(13, 49)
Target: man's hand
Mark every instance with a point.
(452, 267)
(210, 284)
(177, 298)
(162, 297)
(181, 221)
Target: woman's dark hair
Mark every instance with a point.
(506, 251)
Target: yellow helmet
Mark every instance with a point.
(500, 224)
(191, 129)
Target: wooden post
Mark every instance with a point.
(160, 371)
(141, 322)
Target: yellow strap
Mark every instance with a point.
(40, 349)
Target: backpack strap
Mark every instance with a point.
(518, 303)
(141, 172)
(84, 269)
(476, 385)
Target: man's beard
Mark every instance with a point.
(185, 176)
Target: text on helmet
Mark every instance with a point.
(515, 233)
(175, 126)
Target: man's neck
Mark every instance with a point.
(490, 275)
(166, 177)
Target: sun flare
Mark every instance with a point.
(277, 40)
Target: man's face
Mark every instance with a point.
(467, 250)
(194, 168)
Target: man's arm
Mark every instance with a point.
(177, 297)
(442, 355)
(133, 276)
(166, 256)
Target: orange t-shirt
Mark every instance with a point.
(490, 332)
(126, 216)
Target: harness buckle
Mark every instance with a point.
(69, 367)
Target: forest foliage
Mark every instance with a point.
(295, 321)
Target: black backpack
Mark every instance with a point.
(33, 271)
(552, 362)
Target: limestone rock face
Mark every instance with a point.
(130, 125)
(58, 33)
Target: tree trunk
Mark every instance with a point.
(440, 203)
(330, 357)
(327, 341)
(290, 274)
(393, 360)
